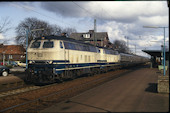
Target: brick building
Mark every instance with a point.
(12, 52)
(98, 38)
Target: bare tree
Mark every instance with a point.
(120, 46)
(57, 30)
(69, 31)
(4, 25)
(31, 24)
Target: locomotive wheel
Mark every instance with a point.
(51, 78)
(91, 72)
(73, 74)
(105, 70)
(97, 71)
(61, 77)
(78, 73)
(28, 77)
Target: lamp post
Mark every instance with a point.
(27, 32)
(26, 48)
(3, 55)
(163, 46)
(135, 49)
(127, 41)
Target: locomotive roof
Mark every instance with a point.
(51, 37)
(61, 38)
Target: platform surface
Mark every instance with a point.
(133, 92)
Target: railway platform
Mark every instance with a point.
(134, 92)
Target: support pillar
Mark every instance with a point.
(163, 84)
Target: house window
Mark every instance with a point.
(86, 35)
(10, 56)
(22, 56)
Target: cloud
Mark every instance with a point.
(154, 20)
(1, 37)
(66, 9)
(3, 3)
(125, 12)
(27, 6)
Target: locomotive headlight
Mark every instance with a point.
(49, 62)
(31, 61)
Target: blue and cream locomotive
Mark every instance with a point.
(53, 58)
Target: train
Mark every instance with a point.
(57, 58)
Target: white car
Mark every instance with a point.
(21, 64)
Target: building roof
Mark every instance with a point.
(98, 35)
(12, 49)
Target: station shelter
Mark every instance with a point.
(157, 57)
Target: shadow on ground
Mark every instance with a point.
(152, 88)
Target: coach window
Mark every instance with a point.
(48, 44)
(61, 45)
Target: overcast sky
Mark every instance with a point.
(119, 19)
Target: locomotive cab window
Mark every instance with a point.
(35, 44)
(48, 44)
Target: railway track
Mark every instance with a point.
(13, 81)
(17, 91)
(60, 92)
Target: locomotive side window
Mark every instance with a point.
(77, 46)
(35, 44)
(48, 44)
(66, 45)
(98, 51)
(61, 45)
(72, 46)
(81, 47)
(92, 49)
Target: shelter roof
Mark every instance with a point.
(156, 53)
